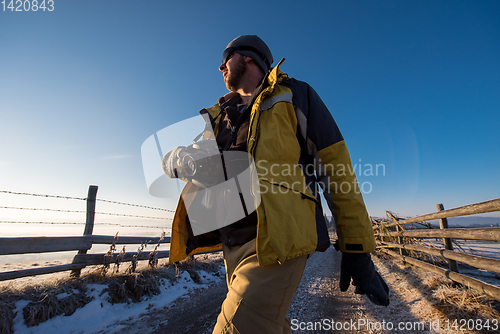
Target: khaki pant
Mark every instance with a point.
(258, 297)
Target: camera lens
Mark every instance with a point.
(189, 165)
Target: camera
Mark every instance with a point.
(200, 163)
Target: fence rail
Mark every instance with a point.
(471, 209)
(486, 234)
(28, 245)
(404, 241)
(399, 239)
(456, 277)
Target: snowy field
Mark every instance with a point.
(489, 249)
(100, 315)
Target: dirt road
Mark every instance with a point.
(318, 305)
(317, 297)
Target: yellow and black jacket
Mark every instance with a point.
(297, 147)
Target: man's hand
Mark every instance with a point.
(359, 267)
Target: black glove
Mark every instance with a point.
(360, 267)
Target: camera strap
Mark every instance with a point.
(198, 136)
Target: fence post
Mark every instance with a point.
(400, 241)
(399, 229)
(402, 251)
(89, 223)
(375, 225)
(443, 224)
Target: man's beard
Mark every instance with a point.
(234, 77)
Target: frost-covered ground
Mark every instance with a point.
(317, 297)
(192, 308)
(100, 315)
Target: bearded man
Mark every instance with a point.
(283, 124)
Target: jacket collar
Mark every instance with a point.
(230, 99)
(276, 76)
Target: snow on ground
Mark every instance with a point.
(100, 314)
(488, 249)
(407, 304)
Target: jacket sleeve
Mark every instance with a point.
(333, 169)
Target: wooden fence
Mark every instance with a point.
(393, 235)
(389, 236)
(27, 245)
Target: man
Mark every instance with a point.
(296, 145)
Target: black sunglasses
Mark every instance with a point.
(229, 51)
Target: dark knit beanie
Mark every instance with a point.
(251, 46)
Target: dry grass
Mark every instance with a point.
(464, 303)
(7, 318)
(54, 297)
(133, 287)
(435, 297)
(45, 301)
(451, 298)
(48, 304)
(453, 301)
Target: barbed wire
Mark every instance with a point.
(41, 195)
(84, 199)
(50, 223)
(136, 205)
(80, 211)
(76, 223)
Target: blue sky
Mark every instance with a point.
(413, 85)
